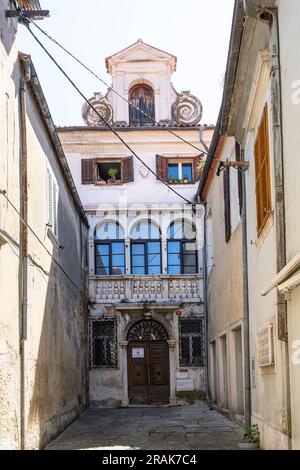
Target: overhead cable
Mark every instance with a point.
(24, 21)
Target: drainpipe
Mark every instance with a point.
(276, 97)
(247, 377)
(23, 253)
(208, 399)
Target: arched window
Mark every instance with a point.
(141, 96)
(182, 248)
(145, 249)
(109, 249)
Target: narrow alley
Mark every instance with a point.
(151, 428)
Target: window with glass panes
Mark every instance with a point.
(109, 250)
(145, 249)
(180, 171)
(182, 248)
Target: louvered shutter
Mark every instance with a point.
(88, 171)
(55, 202)
(162, 167)
(127, 170)
(227, 215)
(196, 167)
(49, 198)
(238, 158)
(262, 173)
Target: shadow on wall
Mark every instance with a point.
(8, 28)
(56, 364)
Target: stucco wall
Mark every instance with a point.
(268, 409)
(225, 285)
(289, 13)
(87, 143)
(55, 349)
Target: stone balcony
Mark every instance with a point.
(134, 289)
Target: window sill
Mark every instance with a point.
(51, 235)
(109, 183)
(181, 183)
(265, 231)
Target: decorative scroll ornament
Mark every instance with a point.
(101, 105)
(187, 109)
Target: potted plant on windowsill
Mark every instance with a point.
(185, 179)
(113, 172)
(251, 438)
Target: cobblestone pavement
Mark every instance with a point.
(159, 428)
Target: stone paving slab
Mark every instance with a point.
(160, 428)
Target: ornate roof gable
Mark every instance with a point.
(141, 52)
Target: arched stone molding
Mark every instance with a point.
(154, 316)
(109, 220)
(184, 219)
(131, 82)
(142, 218)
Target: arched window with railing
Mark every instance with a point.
(109, 249)
(142, 97)
(145, 248)
(182, 248)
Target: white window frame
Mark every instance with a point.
(52, 200)
(180, 163)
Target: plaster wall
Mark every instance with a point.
(55, 351)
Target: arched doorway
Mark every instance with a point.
(148, 363)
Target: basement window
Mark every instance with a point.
(191, 342)
(104, 344)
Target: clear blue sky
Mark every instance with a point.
(196, 31)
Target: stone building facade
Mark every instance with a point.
(145, 260)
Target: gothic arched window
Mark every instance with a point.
(109, 249)
(142, 97)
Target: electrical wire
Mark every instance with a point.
(26, 23)
(3, 193)
(112, 89)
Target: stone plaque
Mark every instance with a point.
(185, 385)
(138, 353)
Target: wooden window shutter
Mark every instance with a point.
(88, 171)
(238, 158)
(50, 198)
(196, 167)
(162, 167)
(262, 172)
(55, 204)
(227, 212)
(127, 171)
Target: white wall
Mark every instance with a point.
(289, 13)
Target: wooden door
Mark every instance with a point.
(148, 373)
